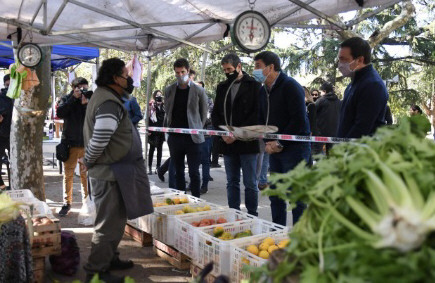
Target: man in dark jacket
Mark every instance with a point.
(282, 104)
(365, 98)
(6, 108)
(133, 110)
(72, 109)
(328, 111)
(236, 104)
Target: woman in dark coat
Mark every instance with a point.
(156, 139)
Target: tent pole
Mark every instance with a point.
(147, 100)
(204, 61)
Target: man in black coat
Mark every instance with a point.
(328, 111)
(6, 108)
(236, 104)
(72, 109)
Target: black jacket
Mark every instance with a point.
(73, 112)
(312, 117)
(328, 111)
(6, 108)
(244, 112)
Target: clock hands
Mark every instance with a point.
(251, 34)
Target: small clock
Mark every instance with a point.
(250, 31)
(29, 55)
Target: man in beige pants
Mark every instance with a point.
(72, 109)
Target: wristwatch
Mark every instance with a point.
(279, 145)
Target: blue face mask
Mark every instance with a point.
(258, 75)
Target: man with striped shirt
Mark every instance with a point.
(113, 156)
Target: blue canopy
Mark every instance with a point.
(62, 56)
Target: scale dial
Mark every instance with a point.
(29, 55)
(250, 31)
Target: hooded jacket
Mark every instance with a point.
(328, 112)
(73, 112)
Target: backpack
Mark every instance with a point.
(68, 261)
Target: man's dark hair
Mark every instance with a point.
(358, 47)
(192, 72)
(201, 83)
(182, 62)
(268, 58)
(232, 59)
(417, 108)
(6, 78)
(327, 87)
(79, 81)
(110, 67)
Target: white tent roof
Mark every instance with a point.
(153, 25)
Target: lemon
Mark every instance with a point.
(284, 243)
(272, 248)
(263, 254)
(264, 246)
(269, 241)
(252, 249)
(245, 260)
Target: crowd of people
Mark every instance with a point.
(101, 135)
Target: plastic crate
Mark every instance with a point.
(214, 249)
(145, 223)
(239, 254)
(185, 233)
(154, 190)
(20, 194)
(164, 220)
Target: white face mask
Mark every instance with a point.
(345, 70)
(183, 79)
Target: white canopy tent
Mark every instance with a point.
(157, 25)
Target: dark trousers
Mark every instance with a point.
(151, 154)
(169, 166)
(4, 144)
(181, 146)
(215, 150)
(205, 161)
(281, 163)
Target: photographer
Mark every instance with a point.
(72, 109)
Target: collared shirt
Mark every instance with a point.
(268, 89)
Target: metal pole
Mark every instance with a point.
(204, 61)
(146, 108)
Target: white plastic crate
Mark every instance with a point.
(158, 191)
(164, 220)
(145, 223)
(185, 233)
(239, 254)
(214, 249)
(20, 194)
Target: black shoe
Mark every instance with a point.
(161, 175)
(64, 210)
(210, 178)
(217, 165)
(119, 264)
(106, 277)
(203, 190)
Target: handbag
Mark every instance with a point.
(62, 151)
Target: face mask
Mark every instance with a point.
(183, 79)
(258, 75)
(345, 70)
(129, 89)
(232, 76)
(159, 99)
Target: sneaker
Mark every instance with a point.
(217, 165)
(203, 190)
(119, 264)
(105, 277)
(64, 210)
(262, 186)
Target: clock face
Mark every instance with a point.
(30, 55)
(251, 31)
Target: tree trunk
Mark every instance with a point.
(27, 131)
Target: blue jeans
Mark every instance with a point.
(181, 146)
(205, 161)
(262, 168)
(248, 163)
(282, 163)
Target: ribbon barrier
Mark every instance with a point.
(264, 136)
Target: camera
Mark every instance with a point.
(86, 93)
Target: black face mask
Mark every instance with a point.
(129, 89)
(159, 99)
(232, 76)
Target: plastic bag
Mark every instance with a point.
(87, 212)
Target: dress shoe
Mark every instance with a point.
(210, 179)
(161, 175)
(217, 165)
(119, 264)
(203, 190)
